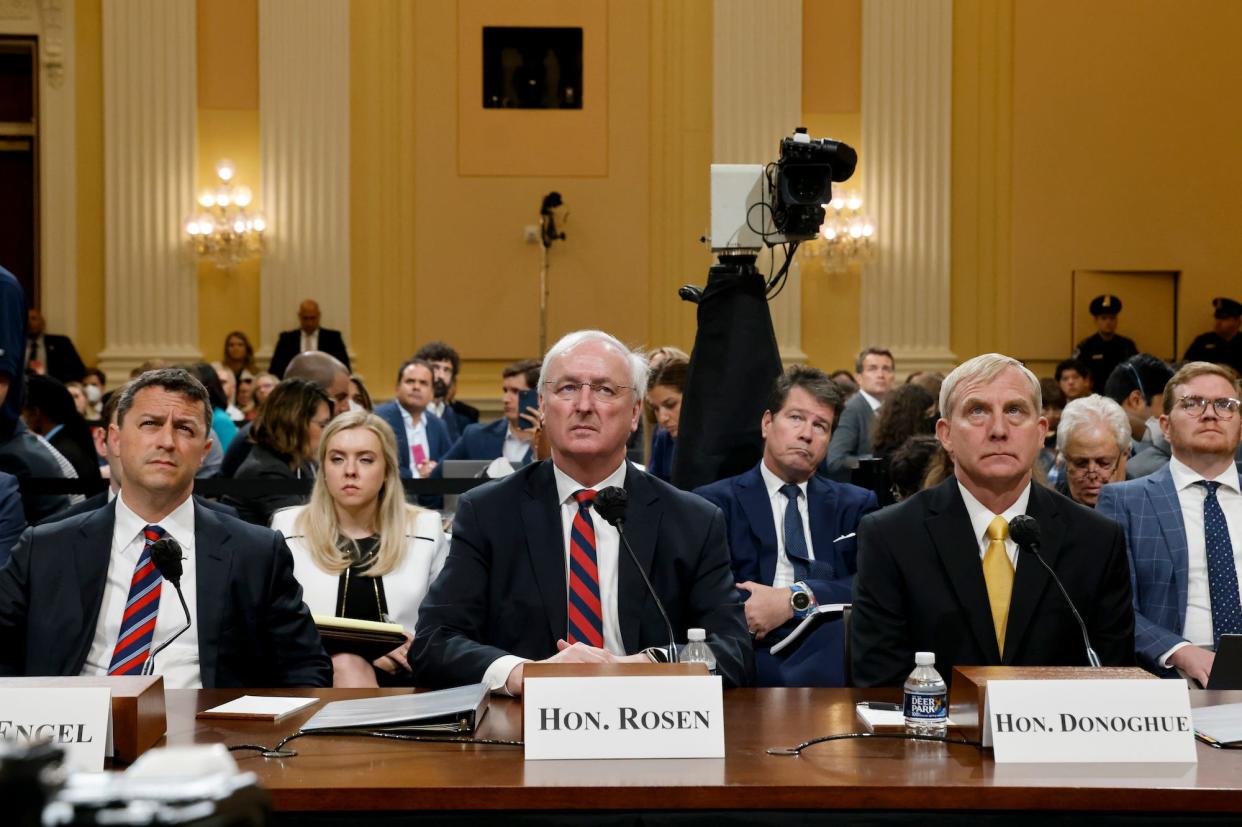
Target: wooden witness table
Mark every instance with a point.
(363, 776)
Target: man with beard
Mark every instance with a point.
(445, 363)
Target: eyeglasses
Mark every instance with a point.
(1225, 407)
(567, 390)
(1082, 466)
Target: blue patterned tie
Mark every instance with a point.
(142, 608)
(795, 536)
(1222, 572)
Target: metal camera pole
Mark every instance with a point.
(548, 233)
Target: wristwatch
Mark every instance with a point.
(801, 599)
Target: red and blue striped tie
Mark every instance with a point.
(133, 644)
(586, 616)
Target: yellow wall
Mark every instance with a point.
(88, 80)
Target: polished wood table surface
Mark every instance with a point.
(332, 773)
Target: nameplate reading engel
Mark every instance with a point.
(75, 720)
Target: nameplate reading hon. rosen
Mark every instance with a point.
(1089, 721)
(76, 720)
(629, 717)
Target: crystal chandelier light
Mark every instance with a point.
(846, 236)
(224, 231)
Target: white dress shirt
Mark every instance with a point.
(784, 577)
(1198, 627)
(514, 449)
(179, 662)
(981, 517)
(607, 554)
(871, 400)
(415, 434)
(310, 341)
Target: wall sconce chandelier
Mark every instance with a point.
(224, 231)
(846, 236)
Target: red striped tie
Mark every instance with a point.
(142, 608)
(586, 616)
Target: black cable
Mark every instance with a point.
(900, 736)
(278, 751)
(782, 277)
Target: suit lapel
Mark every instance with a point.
(753, 495)
(1162, 495)
(642, 527)
(545, 543)
(212, 561)
(951, 534)
(821, 503)
(90, 560)
(1030, 578)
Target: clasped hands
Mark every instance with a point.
(767, 608)
(571, 653)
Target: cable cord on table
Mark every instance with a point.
(848, 736)
(278, 751)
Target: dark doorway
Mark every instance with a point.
(19, 162)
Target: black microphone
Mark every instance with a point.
(610, 504)
(166, 555)
(1024, 530)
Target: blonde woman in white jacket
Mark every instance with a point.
(359, 550)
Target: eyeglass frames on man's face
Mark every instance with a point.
(1224, 407)
(1082, 466)
(568, 390)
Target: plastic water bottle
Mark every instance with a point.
(926, 701)
(697, 650)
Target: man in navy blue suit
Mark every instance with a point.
(506, 437)
(445, 363)
(791, 533)
(422, 438)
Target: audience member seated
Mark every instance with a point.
(907, 470)
(250, 627)
(49, 354)
(1106, 348)
(228, 382)
(1094, 444)
(791, 533)
(1138, 384)
(908, 411)
(1054, 403)
(93, 384)
(1222, 344)
(221, 423)
(22, 454)
(359, 550)
(49, 412)
(1182, 525)
(309, 337)
(238, 357)
(286, 438)
(844, 377)
(445, 363)
(359, 396)
(513, 435)
(1074, 378)
(80, 403)
(422, 438)
(852, 439)
(244, 402)
(319, 368)
(501, 599)
(644, 438)
(263, 385)
(936, 571)
(12, 515)
(664, 393)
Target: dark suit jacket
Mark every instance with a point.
(920, 588)
(24, 456)
(482, 442)
(265, 464)
(12, 517)
(834, 510)
(290, 344)
(438, 442)
(99, 500)
(253, 628)
(503, 587)
(455, 423)
(850, 439)
(63, 361)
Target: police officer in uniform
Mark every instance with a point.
(1104, 350)
(1222, 345)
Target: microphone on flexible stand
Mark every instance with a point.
(1025, 531)
(610, 504)
(166, 555)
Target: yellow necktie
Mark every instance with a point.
(998, 575)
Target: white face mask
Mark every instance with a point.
(93, 393)
(354, 406)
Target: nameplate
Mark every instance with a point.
(1089, 721)
(76, 720)
(626, 717)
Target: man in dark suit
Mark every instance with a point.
(534, 573)
(939, 573)
(81, 596)
(445, 364)
(852, 439)
(12, 516)
(308, 336)
(513, 435)
(1181, 527)
(791, 534)
(422, 438)
(51, 354)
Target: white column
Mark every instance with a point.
(907, 72)
(304, 162)
(150, 99)
(757, 101)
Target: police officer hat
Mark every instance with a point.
(1101, 305)
(1226, 308)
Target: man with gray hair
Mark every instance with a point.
(536, 573)
(939, 573)
(1093, 440)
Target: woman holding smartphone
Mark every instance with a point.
(359, 550)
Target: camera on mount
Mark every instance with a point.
(756, 206)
